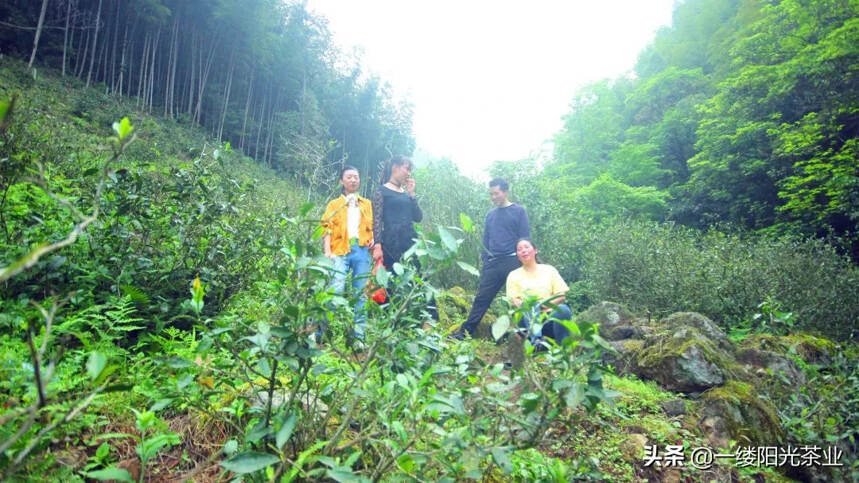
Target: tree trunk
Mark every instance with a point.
(195, 51)
(227, 88)
(171, 69)
(247, 108)
(38, 33)
(259, 126)
(94, 43)
(152, 72)
(141, 95)
(113, 77)
(269, 140)
(122, 66)
(80, 60)
(204, 77)
(66, 34)
(101, 66)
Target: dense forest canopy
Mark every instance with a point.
(262, 75)
(743, 112)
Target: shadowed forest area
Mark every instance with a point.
(164, 166)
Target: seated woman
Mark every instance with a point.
(535, 279)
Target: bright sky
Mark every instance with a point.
(490, 80)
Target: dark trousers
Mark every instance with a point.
(493, 276)
(555, 330)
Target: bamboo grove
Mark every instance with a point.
(262, 75)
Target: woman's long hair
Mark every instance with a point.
(389, 164)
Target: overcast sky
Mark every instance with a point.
(490, 80)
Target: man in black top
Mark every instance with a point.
(505, 225)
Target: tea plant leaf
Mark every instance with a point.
(466, 223)
(343, 474)
(305, 208)
(117, 474)
(285, 431)
(123, 128)
(502, 460)
(500, 327)
(231, 447)
(248, 462)
(468, 268)
(448, 239)
(96, 364)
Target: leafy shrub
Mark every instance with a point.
(825, 411)
(444, 194)
(664, 269)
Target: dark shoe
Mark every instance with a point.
(457, 336)
(540, 345)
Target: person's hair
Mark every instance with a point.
(533, 245)
(348, 167)
(500, 183)
(389, 164)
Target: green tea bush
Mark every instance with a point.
(663, 269)
(444, 194)
(174, 207)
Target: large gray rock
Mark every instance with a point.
(683, 360)
(771, 362)
(615, 321)
(735, 412)
(624, 350)
(703, 324)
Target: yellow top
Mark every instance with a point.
(543, 283)
(334, 221)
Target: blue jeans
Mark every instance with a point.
(552, 329)
(358, 262)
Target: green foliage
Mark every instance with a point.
(153, 437)
(662, 269)
(745, 111)
(823, 412)
(605, 198)
(445, 196)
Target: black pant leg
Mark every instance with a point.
(492, 278)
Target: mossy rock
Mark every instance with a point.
(811, 349)
(735, 412)
(771, 363)
(703, 324)
(632, 448)
(615, 321)
(683, 360)
(484, 328)
(453, 306)
(624, 351)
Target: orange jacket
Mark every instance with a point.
(334, 221)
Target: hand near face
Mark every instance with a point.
(410, 186)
